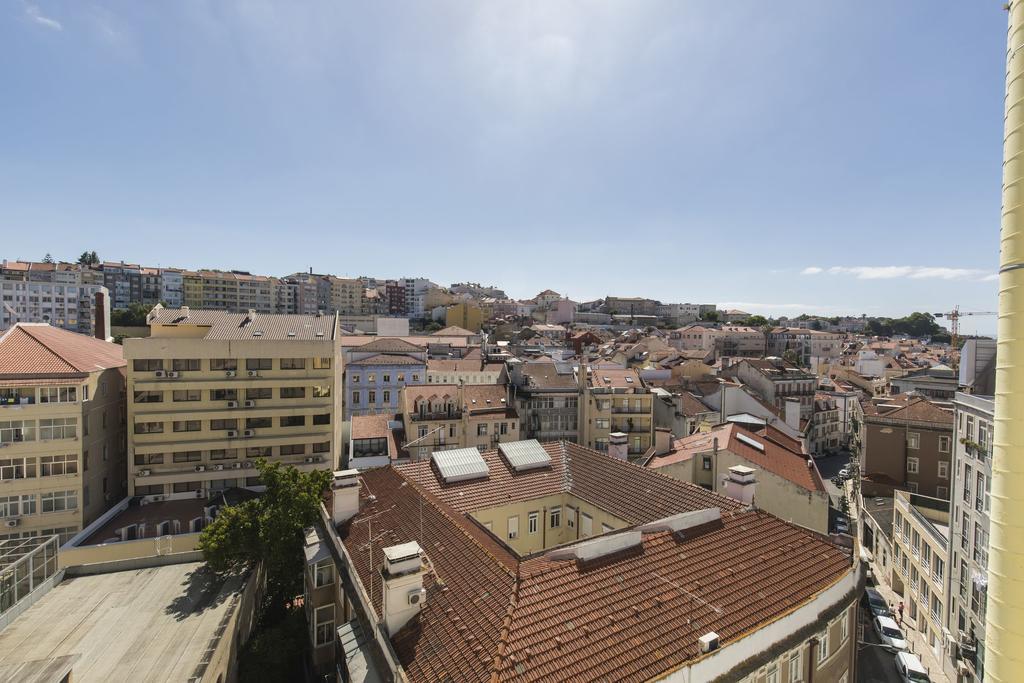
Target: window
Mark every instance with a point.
(325, 446)
(187, 395)
(187, 456)
(706, 462)
(773, 673)
(371, 396)
(186, 486)
(795, 672)
(844, 628)
(586, 524)
(57, 394)
(324, 617)
(224, 394)
(293, 421)
(321, 363)
(942, 492)
(533, 521)
(14, 431)
(147, 364)
(356, 379)
(415, 378)
(481, 429)
(912, 465)
(149, 396)
(58, 501)
(601, 423)
(17, 468)
(387, 378)
(259, 363)
(943, 444)
(371, 377)
(570, 517)
(293, 449)
(513, 526)
(58, 428)
(293, 392)
(220, 425)
(555, 517)
(224, 454)
(149, 427)
(355, 397)
(823, 646)
(257, 452)
(913, 440)
(293, 363)
(183, 364)
(187, 425)
(387, 396)
(321, 391)
(322, 419)
(323, 573)
(257, 422)
(14, 506)
(943, 469)
(56, 465)
(223, 364)
(979, 485)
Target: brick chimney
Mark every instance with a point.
(617, 445)
(402, 575)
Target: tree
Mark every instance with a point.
(47, 258)
(815, 324)
(756, 321)
(133, 316)
(89, 258)
(710, 316)
(789, 355)
(268, 529)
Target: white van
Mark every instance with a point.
(908, 666)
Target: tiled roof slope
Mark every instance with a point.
(911, 407)
(389, 345)
(41, 350)
(628, 616)
(388, 359)
(225, 325)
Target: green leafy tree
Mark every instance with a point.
(756, 321)
(268, 529)
(815, 324)
(89, 258)
(710, 316)
(48, 258)
(133, 316)
(789, 355)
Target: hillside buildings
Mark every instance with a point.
(547, 398)
(616, 410)
(62, 432)
(209, 391)
(776, 381)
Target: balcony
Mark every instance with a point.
(621, 410)
(630, 427)
(424, 416)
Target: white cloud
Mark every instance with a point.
(907, 272)
(33, 12)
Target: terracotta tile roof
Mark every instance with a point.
(546, 376)
(477, 397)
(690, 405)
(39, 349)
(387, 359)
(615, 378)
(388, 345)
(225, 325)
(629, 616)
(454, 331)
(909, 407)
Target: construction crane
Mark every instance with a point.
(954, 328)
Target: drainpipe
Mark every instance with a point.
(1004, 641)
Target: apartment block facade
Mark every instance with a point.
(74, 307)
(62, 432)
(210, 391)
(615, 401)
(440, 417)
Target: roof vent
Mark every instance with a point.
(599, 547)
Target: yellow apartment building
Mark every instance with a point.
(615, 400)
(209, 391)
(62, 432)
(464, 315)
(445, 416)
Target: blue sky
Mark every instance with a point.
(780, 157)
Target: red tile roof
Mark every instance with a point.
(628, 616)
(41, 350)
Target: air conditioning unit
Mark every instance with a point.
(318, 458)
(200, 468)
(247, 465)
(417, 597)
(13, 522)
(236, 466)
(219, 468)
(229, 373)
(253, 373)
(173, 374)
(249, 432)
(250, 404)
(708, 641)
(232, 433)
(160, 373)
(310, 460)
(143, 473)
(232, 404)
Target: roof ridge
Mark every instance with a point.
(506, 628)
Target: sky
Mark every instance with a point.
(783, 157)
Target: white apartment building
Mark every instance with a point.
(71, 307)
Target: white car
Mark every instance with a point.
(844, 473)
(909, 667)
(890, 634)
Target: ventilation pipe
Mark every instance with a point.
(1004, 639)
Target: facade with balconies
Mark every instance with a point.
(210, 391)
(615, 400)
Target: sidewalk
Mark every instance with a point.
(917, 643)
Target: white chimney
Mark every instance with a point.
(793, 413)
(617, 445)
(403, 584)
(741, 483)
(345, 496)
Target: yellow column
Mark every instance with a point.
(1004, 639)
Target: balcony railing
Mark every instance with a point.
(621, 410)
(436, 415)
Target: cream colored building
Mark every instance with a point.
(62, 441)
(444, 416)
(616, 400)
(209, 391)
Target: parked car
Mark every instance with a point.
(876, 603)
(844, 473)
(890, 634)
(910, 669)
